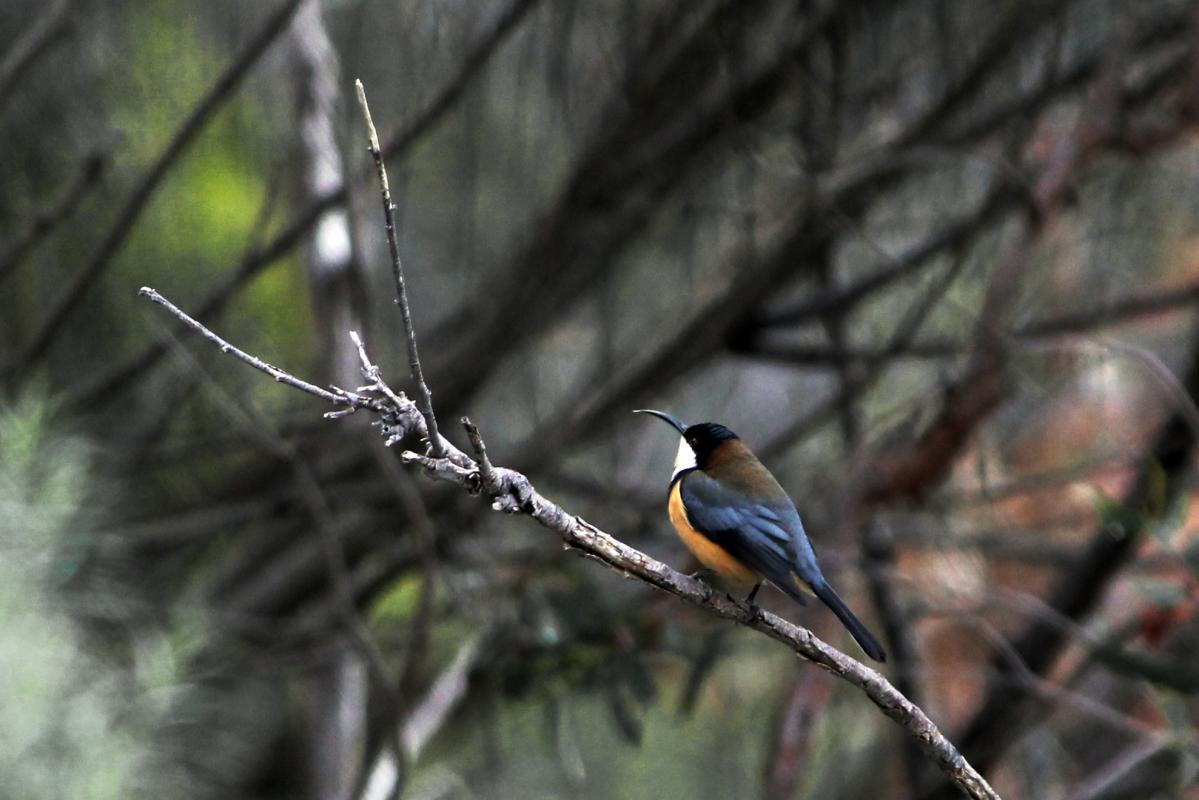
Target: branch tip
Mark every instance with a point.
(366, 113)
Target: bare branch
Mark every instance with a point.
(342, 399)
(316, 501)
(516, 494)
(595, 543)
(397, 271)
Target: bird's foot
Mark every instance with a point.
(755, 611)
(749, 598)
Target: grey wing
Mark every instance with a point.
(766, 535)
(769, 537)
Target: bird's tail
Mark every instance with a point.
(854, 625)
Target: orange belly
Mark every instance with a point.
(710, 554)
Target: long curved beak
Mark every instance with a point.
(662, 415)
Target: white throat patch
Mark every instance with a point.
(684, 459)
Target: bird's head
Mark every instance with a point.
(698, 441)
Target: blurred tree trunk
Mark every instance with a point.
(338, 688)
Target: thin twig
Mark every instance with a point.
(425, 402)
(147, 432)
(343, 399)
(314, 498)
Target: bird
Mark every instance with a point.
(737, 520)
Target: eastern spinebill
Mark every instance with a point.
(733, 515)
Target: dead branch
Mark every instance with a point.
(397, 272)
(514, 493)
(344, 398)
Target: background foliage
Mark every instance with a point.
(935, 261)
